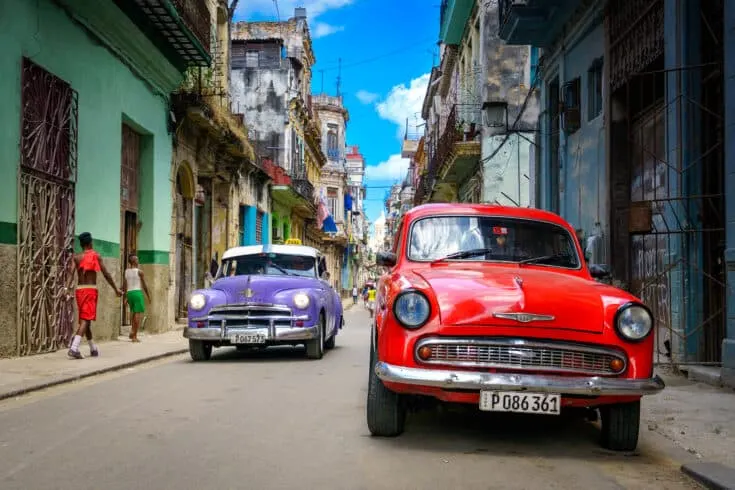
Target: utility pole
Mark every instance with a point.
(339, 78)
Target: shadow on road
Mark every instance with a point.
(463, 430)
(281, 354)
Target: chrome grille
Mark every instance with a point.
(249, 316)
(523, 355)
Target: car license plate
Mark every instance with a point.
(514, 401)
(247, 338)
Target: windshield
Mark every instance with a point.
(269, 265)
(492, 238)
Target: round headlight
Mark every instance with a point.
(412, 309)
(633, 322)
(197, 301)
(301, 301)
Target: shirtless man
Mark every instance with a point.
(88, 264)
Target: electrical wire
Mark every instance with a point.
(378, 57)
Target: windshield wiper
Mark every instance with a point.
(465, 254)
(544, 258)
(275, 266)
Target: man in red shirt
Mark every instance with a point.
(88, 264)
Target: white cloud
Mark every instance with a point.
(366, 97)
(314, 8)
(320, 29)
(404, 102)
(394, 168)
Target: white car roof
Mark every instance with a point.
(277, 249)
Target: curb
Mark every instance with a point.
(714, 476)
(77, 377)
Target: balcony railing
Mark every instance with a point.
(334, 154)
(196, 16)
(304, 188)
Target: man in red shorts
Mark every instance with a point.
(88, 264)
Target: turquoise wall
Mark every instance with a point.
(109, 94)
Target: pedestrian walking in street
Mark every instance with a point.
(371, 300)
(133, 286)
(354, 295)
(88, 264)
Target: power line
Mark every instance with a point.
(379, 57)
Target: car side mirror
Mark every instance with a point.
(386, 259)
(600, 271)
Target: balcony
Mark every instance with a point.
(459, 147)
(534, 22)
(454, 16)
(334, 154)
(180, 28)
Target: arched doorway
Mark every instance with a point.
(184, 203)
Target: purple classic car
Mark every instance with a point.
(266, 295)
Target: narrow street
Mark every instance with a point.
(273, 420)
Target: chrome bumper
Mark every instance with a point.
(469, 380)
(272, 332)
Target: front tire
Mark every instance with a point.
(621, 426)
(200, 350)
(315, 348)
(330, 344)
(386, 413)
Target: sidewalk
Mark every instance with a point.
(25, 374)
(696, 417)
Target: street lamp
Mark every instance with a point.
(496, 116)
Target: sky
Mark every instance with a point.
(387, 49)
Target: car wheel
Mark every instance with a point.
(620, 426)
(200, 350)
(329, 344)
(386, 413)
(315, 348)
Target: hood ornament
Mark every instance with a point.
(519, 281)
(524, 317)
(248, 293)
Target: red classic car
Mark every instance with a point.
(496, 306)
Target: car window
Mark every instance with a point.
(270, 265)
(505, 240)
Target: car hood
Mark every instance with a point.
(475, 296)
(264, 289)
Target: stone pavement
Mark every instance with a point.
(700, 419)
(26, 374)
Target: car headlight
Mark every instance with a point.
(301, 301)
(197, 301)
(633, 322)
(412, 309)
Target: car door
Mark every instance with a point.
(325, 294)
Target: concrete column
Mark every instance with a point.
(728, 345)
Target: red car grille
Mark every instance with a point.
(522, 355)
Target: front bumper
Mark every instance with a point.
(275, 328)
(470, 380)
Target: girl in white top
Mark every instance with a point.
(133, 287)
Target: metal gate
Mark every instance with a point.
(676, 221)
(48, 169)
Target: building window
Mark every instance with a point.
(594, 90)
(332, 142)
(534, 64)
(332, 199)
(252, 59)
(571, 117)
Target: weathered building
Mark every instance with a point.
(86, 147)
(634, 150)
(270, 85)
(355, 164)
(214, 172)
(480, 115)
(333, 116)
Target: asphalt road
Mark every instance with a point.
(274, 420)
